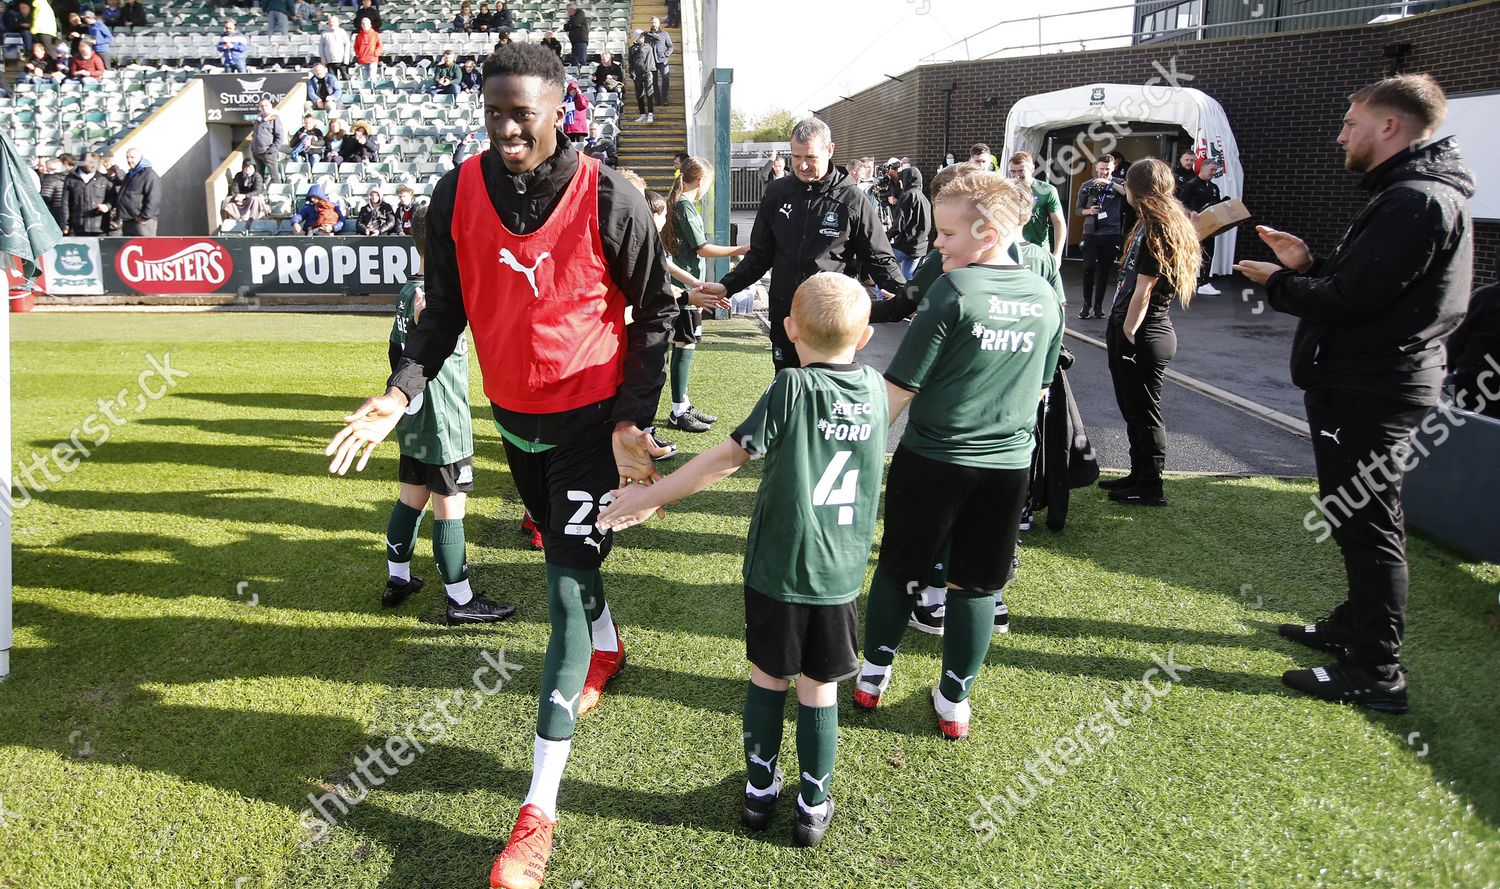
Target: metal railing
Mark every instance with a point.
(1201, 30)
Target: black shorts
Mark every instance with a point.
(927, 501)
(817, 641)
(563, 488)
(687, 327)
(453, 478)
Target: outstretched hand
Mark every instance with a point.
(710, 290)
(364, 429)
(631, 506)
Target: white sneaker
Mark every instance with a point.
(650, 118)
(1208, 290)
(953, 719)
(641, 119)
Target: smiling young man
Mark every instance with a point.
(540, 250)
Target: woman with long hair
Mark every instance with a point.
(1161, 263)
(687, 244)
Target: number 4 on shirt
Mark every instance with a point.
(848, 490)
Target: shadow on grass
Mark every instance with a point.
(1248, 543)
(333, 405)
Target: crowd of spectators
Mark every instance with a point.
(95, 195)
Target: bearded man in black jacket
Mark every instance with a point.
(1369, 353)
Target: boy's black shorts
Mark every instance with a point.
(687, 327)
(927, 501)
(786, 640)
(453, 478)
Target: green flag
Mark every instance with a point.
(27, 229)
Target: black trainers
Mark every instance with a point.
(701, 417)
(808, 829)
(758, 809)
(662, 443)
(1002, 616)
(1316, 635)
(1139, 495)
(398, 591)
(1026, 517)
(928, 619)
(687, 422)
(1118, 484)
(1350, 684)
(479, 610)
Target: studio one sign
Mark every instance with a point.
(234, 97)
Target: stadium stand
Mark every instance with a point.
(75, 117)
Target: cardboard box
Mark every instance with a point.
(1230, 212)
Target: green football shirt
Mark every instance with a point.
(1038, 230)
(437, 428)
(690, 236)
(980, 349)
(821, 430)
(1038, 259)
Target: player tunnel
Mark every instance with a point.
(1068, 129)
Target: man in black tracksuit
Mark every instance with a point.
(911, 229)
(88, 191)
(1197, 195)
(815, 221)
(1369, 353)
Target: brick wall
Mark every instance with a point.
(1284, 94)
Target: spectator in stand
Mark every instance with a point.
(17, 20)
(87, 197)
(643, 73)
(133, 14)
(445, 75)
(139, 197)
(112, 14)
(979, 153)
(303, 11)
(43, 22)
(114, 174)
(466, 148)
(551, 42)
(609, 77)
(266, 138)
(367, 46)
(38, 67)
(948, 161)
(406, 202)
(661, 45)
(247, 195)
(1047, 227)
(1197, 195)
(97, 35)
(471, 81)
(322, 88)
(74, 31)
(502, 41)
(334, 142)
(278, 16)
(319, 215)
(69, 162)
(578, 35)
(576, 120)
(335, 48)
(360, 146)
(54, 190)
(233, 48)
(674, 14)
(501, 19)
(87, 64)
(377, 217)
(1099, 203)
(367, 10)
(463, 22)
(62, 61)
(308, 142)
(1185, 171)
(484, 21)
(600, 146)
